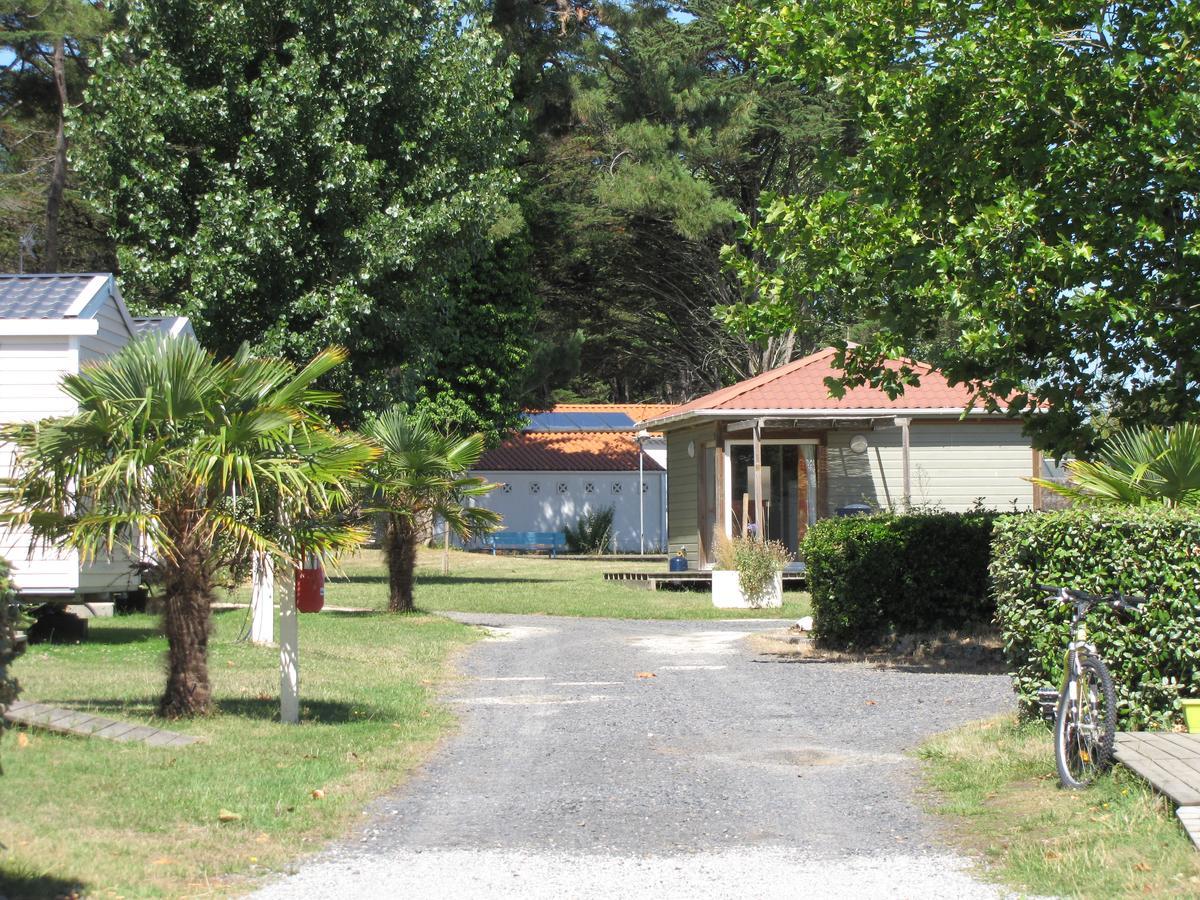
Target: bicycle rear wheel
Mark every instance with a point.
(1086, 724)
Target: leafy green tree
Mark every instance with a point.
(477, 381)
(1026, 185)
(300, 174)
(180, 459)
(422, 473)
(1147, 466)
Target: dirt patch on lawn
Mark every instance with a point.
(975, 651)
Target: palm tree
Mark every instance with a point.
(187, 463)
(420, 474)
(1139, 467)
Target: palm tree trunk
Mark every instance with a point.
(188, 586)
(400, 545)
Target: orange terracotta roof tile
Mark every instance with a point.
(566, 451)
(800, 385)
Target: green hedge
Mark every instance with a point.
(874, 575)
(1154, 655)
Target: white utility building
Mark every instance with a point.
(578, 458)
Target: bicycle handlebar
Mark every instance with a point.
(1116, 599)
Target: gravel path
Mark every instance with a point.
(726, 774)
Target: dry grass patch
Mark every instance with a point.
(973, 651)
(995, 782)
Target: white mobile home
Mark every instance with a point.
(51, 326)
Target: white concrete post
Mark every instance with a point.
(905, 462)
(289, 650)
(262, 598)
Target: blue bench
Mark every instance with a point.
(525, 540)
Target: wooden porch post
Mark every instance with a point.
(904, 462)
(823, 477)
(704, 492)
(760, 530)
(802, 489)
(1037, 473)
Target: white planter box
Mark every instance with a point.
(727, 592)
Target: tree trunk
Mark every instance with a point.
(188, 586)
(58, 176)
(400, 545)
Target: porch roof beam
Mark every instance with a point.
(745, 424)
(793, 422)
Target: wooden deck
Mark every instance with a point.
(692, 579)
(1171, 763)
(67, 721)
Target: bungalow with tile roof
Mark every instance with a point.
(50, 326)
(778, 449)
(582, 457)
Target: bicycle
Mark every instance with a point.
(1085, 705)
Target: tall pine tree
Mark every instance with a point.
(44, 225)
(652, 141)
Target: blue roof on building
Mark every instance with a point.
(40, 296)
(580, 421)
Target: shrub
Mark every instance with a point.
(592, 533)
(9, 649)
(1154, 654)
(756, 562)
(874, 575)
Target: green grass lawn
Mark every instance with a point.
(996, 783)
(112, 819)
(134, 820)
(479, 582)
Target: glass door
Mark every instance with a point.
(786, 498)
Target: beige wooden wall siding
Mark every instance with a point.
(30, 371)
(953, 464)
(683, 524)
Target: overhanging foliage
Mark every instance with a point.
(1026, 189)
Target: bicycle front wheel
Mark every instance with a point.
(1086, 724)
